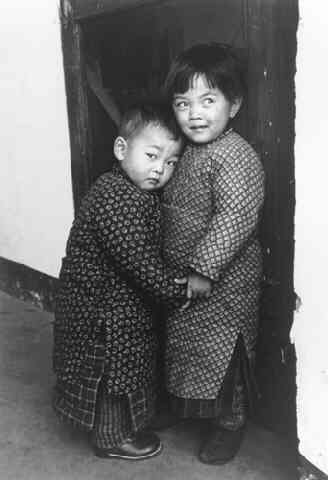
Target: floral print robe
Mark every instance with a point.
(111, 277)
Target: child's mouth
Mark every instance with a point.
(199, 128)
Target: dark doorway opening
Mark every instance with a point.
(133, 43)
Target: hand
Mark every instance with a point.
(198, 286)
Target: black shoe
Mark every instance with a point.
(144, 445)
(221, 446)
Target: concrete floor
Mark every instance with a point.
(35, 446)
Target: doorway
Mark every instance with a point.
(133, 42)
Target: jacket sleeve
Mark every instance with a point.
(238, 194)
(125, 233)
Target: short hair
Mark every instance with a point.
(145, 112)
(220, 64)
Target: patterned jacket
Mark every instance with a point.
(110, 278)
(211, 213)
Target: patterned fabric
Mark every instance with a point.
(110, 278)
(112, 421)
(142, 407)
(211, 213)
(230, 408)
(120, 417)
(75, 402)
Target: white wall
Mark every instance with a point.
(35, 184)
(310, 329)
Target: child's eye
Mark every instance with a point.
(208, 100)
(172, 163)
(180, 104)
(152, 156)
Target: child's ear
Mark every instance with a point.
(120, 148)
(235, 106)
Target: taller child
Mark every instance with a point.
(211, 213)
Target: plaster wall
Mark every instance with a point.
(310, 329)
(36, 207)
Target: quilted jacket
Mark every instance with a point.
(211, 213)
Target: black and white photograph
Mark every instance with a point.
(163, 240)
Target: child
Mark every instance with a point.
(211, 214)
(104, 332)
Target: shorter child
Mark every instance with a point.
(104, 333)
(211, 215)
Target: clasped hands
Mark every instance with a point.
(198, 286)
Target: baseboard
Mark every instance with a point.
(307, 471)
(27, 284)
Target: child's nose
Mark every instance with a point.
(194, 111)
(159, 166)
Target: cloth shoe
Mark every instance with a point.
(144, 445)
(221, 446)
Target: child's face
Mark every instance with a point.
(203, 112)
(149, 157)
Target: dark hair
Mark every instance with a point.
(220, 64)
(145, 112)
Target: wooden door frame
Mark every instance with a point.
(86, 9)
(270, 29)
(260, 21)
(77, 101)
